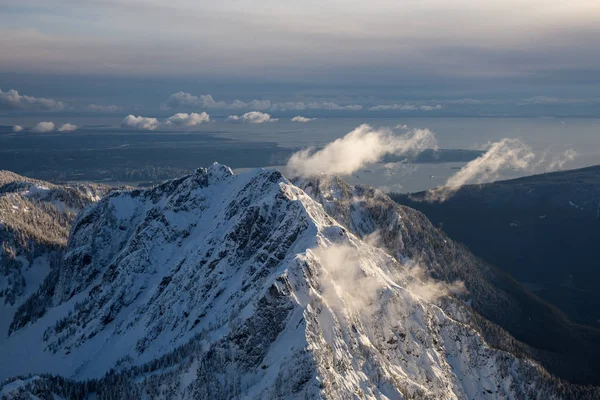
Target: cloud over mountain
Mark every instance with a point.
(506, 153)
(362, 146)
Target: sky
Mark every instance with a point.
(403, 57)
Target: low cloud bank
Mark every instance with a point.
(103, 109)
(364, 145)
(314, 105)
(12, 100)
(252, 117)
(405, 107)
(507, 153)
(206, 101)
(184, 99)
(302, 119)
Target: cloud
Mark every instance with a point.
(12, 100)
(252, 117)
(253, 104)
(348, 287)
(184, 99)
(344, 284)
(362, 146)
(187, 120)
(421, 284)
(547, 100)
(67, 127)
(104, 108)
(507, 153)
(327, 106)
(142, 123)
(302, 119)
(405, 107)
(402, 127)
(45, 126)
(17, 128)
(559, 163)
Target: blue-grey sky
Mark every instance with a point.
(509, 57)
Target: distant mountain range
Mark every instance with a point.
(217, 286)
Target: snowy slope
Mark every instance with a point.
(35, 220)
(219, 286)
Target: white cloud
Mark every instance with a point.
(344, 284)
(252, 117)
(559, 163)
(328, 106)
(362, 146)
(187, 120)
(187, 100)
(103, 108)
(405, 107)
(143, 123)
(253, 104)
(302, 119)
(402, 127)
(67, 127)
(547, 100)
(44, 126)
(12, 100)
(17, 128)
(507, 153)
(184, 99)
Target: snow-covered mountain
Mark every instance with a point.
(217, 286)
(35, 220)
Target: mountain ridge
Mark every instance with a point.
(271, 315)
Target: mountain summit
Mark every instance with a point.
(219, 286)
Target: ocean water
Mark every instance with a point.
(101, 145)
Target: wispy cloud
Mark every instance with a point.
(302, 119)
(507, 153)
(405, 107)
(314, 105)
(364, 145)
(559, 162)
(252, 117)
(103, 108)
(206, 101)
(12, 100)
(187, 100)
(44, 126)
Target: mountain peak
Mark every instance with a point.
(218, 285)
